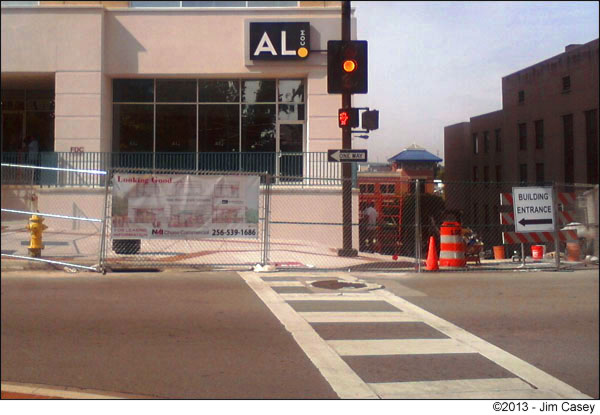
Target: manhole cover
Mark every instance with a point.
(336, 285)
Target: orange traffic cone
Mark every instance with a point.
(432, 258)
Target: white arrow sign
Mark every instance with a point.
(534, 209)
(347, 155)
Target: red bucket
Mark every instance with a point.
(537, 251)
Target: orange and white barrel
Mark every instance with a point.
(452, 246)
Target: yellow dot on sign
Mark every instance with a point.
(302, 52)
(349, 66)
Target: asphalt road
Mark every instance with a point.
(175, 335)
(209, 335)
(548, 319)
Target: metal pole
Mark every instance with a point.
(418, 225)
(266, 237)
(107, 180)
(346, 250)
(554, 220)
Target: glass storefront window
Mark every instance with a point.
(291, 90)
(213, 3)
(176, 128)
(133, 127)
(220, 119)
(258, 128)
(175, 90)
(262, 90)
(133, 90)
(218, 128)
(155, 3)
(218, 90)
(292, 112)
(272, 3)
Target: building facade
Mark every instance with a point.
(169, 76)
(546, 131)
(240, 81)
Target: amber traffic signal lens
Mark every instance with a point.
(349, 65)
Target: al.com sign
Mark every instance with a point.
(279, 40)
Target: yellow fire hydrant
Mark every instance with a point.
(36, 227)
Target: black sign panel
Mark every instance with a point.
(279, 41)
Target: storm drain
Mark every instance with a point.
(336, 285)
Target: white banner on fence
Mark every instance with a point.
(164, 206)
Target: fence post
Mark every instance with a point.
(418, 224)
(556, 232)
(102, 258)
(266, 237)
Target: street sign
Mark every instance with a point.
(347, 156)
(533, 209)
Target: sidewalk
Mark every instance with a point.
(68, 247)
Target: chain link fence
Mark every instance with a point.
(73, 215)
(298, 222)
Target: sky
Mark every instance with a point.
(434, 64)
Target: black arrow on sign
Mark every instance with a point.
(525, 222)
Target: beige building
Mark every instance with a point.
(82, 75)
(137, 78)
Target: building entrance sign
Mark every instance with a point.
(279, 40)
(184, 206)
(533, 209)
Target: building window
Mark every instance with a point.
(539, 134)
(523, 173)
(539, 173)
(523, 136)
(486, 175)
(475, 144)
(486, 142)
(498, 140)
(367, 188)
(591, 135)
(387, 188)
(211, 116)
(521, 96)
(474, 173)
(498, 174)
(566, 83)
(569, 148)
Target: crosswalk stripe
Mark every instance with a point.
(397, 347)
(434, 388)
(330, 297)
(355, 317)
(502, 358)
(344, 381)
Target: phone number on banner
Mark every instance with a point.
(233, 232)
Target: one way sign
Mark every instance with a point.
(347, 156)
(534, 209)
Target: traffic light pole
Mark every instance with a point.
(347, 250)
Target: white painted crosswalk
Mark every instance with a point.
(300, 311)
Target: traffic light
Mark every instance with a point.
(370, 120)
(347, 66)
(348, 117)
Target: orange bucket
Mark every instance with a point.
(573, 251)
(499, 252)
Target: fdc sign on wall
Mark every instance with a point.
(163, 206)
(533, 209)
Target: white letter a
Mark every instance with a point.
(265, 45)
